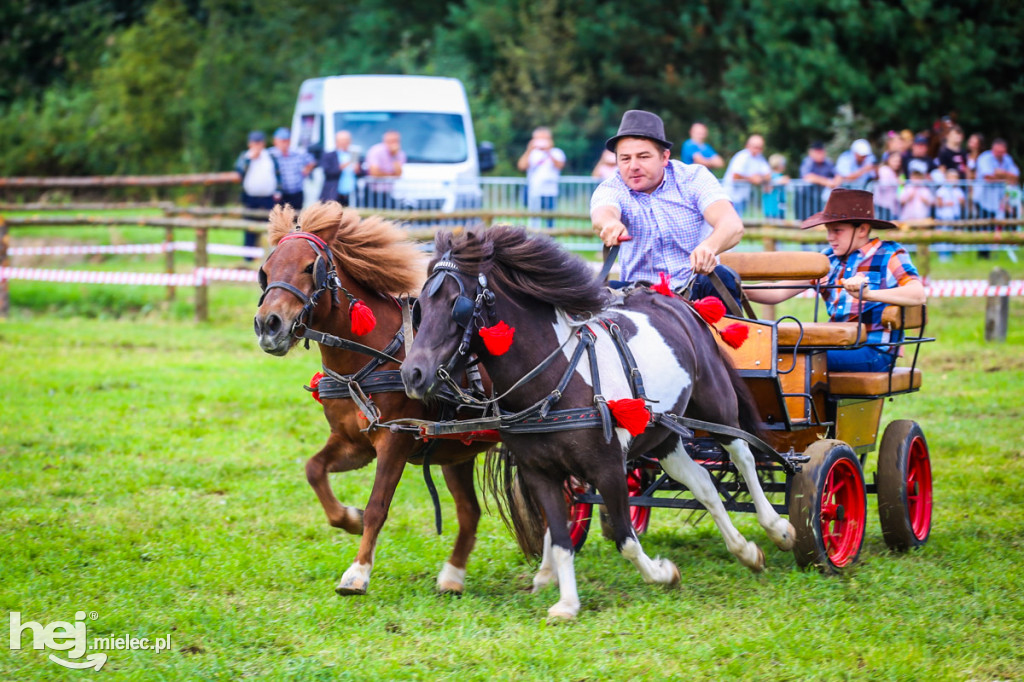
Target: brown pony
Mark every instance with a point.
(370, 260)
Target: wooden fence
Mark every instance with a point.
(201, 221)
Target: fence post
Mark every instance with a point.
(997, 308)
(924, 261)
(5, 292)
(202, 292)
(768, 310)
(169, 259)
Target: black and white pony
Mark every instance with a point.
(481, 281)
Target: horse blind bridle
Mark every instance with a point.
(467, 313)
(325, 277)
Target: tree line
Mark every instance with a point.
(159, 86)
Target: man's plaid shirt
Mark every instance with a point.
(665, 225)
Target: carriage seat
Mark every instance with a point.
(874, 383)
(821, 334)
(845, 333)
(777, 265)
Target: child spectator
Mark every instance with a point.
(949, 198)
(775, 194)
(887, 189)
(949, 206)
(917, 199)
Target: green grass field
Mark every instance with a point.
(151, 472)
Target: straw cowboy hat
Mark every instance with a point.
(854, 206)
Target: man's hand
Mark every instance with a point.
(614, 232)
(702, 259)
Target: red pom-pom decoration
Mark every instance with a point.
(710, 308)
(664, 287)
(735, 334)
(314, 383)
(631, 414)
(498, 338)
(362, 318)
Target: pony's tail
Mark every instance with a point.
(517, 507)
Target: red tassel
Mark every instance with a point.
(664, 287)
(735, 334)
(498, 338)
(710, 308)
(362, 318)
(631, 414)
(314, 383)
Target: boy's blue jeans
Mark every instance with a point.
(866, 359)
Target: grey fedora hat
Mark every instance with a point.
(638, 123)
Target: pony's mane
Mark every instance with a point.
(518, 263)
(374, 252)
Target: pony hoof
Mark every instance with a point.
(450, 587)
(451, 580)
(351, 588)
(760, 564)
(675, 577)
(351, 522)
(783, 535)
(561, 614)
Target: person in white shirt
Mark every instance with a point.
(543, 163)
(747, 168)
(856, 166)
(260, 178)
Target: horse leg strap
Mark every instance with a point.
(406, 322)
(428, 449)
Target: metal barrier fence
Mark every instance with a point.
(793, 200)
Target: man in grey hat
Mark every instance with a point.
(669, 217)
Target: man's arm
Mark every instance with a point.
(524, 160)
(727, 229)
(713, 161)
(607, 222)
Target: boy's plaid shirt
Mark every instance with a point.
(886, 265)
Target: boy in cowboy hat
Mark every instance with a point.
(671, 217)
(867, 274)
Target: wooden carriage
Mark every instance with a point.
(821, 426)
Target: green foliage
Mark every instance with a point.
(102, 86)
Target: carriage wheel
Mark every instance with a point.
(640, 517)
(637, 480)
(828, 507)
(579, 512)
(904, 486)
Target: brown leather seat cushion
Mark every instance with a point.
(895, 317)
(776, 265)
(820, 334)
(873, 383)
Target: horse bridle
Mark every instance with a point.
(325, 278)
(468, 313)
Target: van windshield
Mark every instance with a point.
(426, 137)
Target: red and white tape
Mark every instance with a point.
(940, 288)
(162, 247)
(188, 279)
(961, 288)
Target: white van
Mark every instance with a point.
(443, 165)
